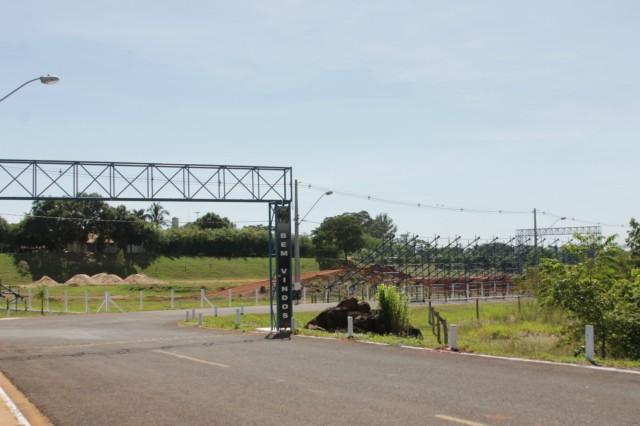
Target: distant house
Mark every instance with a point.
(91, 246)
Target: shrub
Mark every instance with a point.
(394, 307)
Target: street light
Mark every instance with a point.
(535, 234)
(296, 280)
(47, 79)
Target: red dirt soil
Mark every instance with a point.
(265, 283)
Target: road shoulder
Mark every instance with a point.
(24, 407)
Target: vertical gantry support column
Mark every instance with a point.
(280, 270)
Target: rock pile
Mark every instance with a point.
(365, 319)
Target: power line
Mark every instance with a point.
(441, 207)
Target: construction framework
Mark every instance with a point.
(160, 182)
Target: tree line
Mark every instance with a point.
(53, 226)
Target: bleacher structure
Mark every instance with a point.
(438, 268)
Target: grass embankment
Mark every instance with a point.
(185, 276)
(511, 329)
(172, 269)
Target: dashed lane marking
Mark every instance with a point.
(459, 421)
(188, 358)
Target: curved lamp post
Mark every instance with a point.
(47, 79)
(535, 235)
(296, 280)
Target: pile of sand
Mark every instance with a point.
(141, 279)
(45, 281)
(103, 279)
(80, 279)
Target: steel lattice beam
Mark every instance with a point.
(42, 179)
(521, 234)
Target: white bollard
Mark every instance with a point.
(588, 343)
(86, 301)
(215, 311)
(229, 297)
(199, 319)
(193, 313)
(46, 295)
(350, 327)
(106, 301)
(172, 300)
(187, 315)
(453, 337)
(237, 317)
(66, 301)
(141, 302)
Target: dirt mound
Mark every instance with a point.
(104, 278)
(304, 278)
(80, 279)
(46, 281)
(141, 279)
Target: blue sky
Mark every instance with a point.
(493, 105)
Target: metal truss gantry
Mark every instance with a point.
(115, 181)
(523, 234)
(38, 180)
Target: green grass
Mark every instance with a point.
(172, 269)
(504, 329)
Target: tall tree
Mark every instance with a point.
(633, 240)
(213, 221)
(380, 226)
(158, 215)
(338, 234)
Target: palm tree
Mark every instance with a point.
(157, 214)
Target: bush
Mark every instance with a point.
(394, 307)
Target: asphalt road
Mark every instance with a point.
(144, 369)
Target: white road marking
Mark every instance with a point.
(459, 421)
(188, 358)
(4, 399)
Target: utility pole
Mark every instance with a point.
(535, 238)
(296, 219)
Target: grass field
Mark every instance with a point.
(171, 269)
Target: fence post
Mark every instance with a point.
(201, 298)
(172, 300)
(107, 300)
(66, 301)
(187, 316)
(453, 337)
(588, 344)
(47, 297)
(193, 313)
(141, 302)
(304, 295)
(237, 317)
(86, 301)
(242, 309)
(477, 309)
(229, 297)
(256, 297)
(29, 299)
(199, 319)
(350, 327)
(215, 311)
